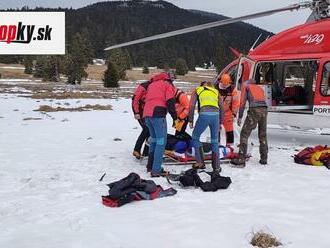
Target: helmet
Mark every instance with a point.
(225, 81)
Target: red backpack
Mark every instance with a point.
(304, 156)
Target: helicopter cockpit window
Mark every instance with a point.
(325, 84)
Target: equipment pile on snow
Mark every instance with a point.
(316, 156)
(133, 188)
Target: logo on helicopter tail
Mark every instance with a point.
(313, 38)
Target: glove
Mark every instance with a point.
(137, 116)
(239, 122)
(174, 123)
(177, 124)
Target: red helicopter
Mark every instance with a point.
(292, 66)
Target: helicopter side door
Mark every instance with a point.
(245, 71)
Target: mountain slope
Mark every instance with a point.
(109, 23)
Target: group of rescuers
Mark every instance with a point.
(219, 105)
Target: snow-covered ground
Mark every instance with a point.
(50, 196)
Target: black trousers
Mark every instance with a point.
(144, 135)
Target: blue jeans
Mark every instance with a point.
(158, 133)
(206, 119)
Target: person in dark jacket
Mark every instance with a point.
(160, 98)
(211, 113)
(138, 102)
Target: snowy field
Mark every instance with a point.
(50, 196)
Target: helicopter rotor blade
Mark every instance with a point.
(210, 25)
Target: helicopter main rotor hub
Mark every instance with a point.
(321, 8)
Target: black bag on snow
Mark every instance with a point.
(191, 178)
(217, 182)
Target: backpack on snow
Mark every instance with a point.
(304, 156)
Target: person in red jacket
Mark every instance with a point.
(160, 98)
(138, 102)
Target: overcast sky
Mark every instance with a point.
(231, 8)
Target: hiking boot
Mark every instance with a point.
(263, 161)
(137, 154)
(199, 166)
(216, 163)
(150, 161)
(161, 173)
(238, 162)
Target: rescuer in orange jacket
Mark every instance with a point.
(230, 99)
(182, 104)
(256, 116)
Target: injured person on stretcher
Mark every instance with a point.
(179, 150)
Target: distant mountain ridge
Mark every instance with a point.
(208, 14)
(113, 22)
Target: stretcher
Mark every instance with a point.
(172, 158)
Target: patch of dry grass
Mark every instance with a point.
(12, 72)
(71, 95)
(95, 72)
(262, 239)
(32, 119)
(193, 77)
(88, 107)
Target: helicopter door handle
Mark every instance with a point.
(324, 102)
